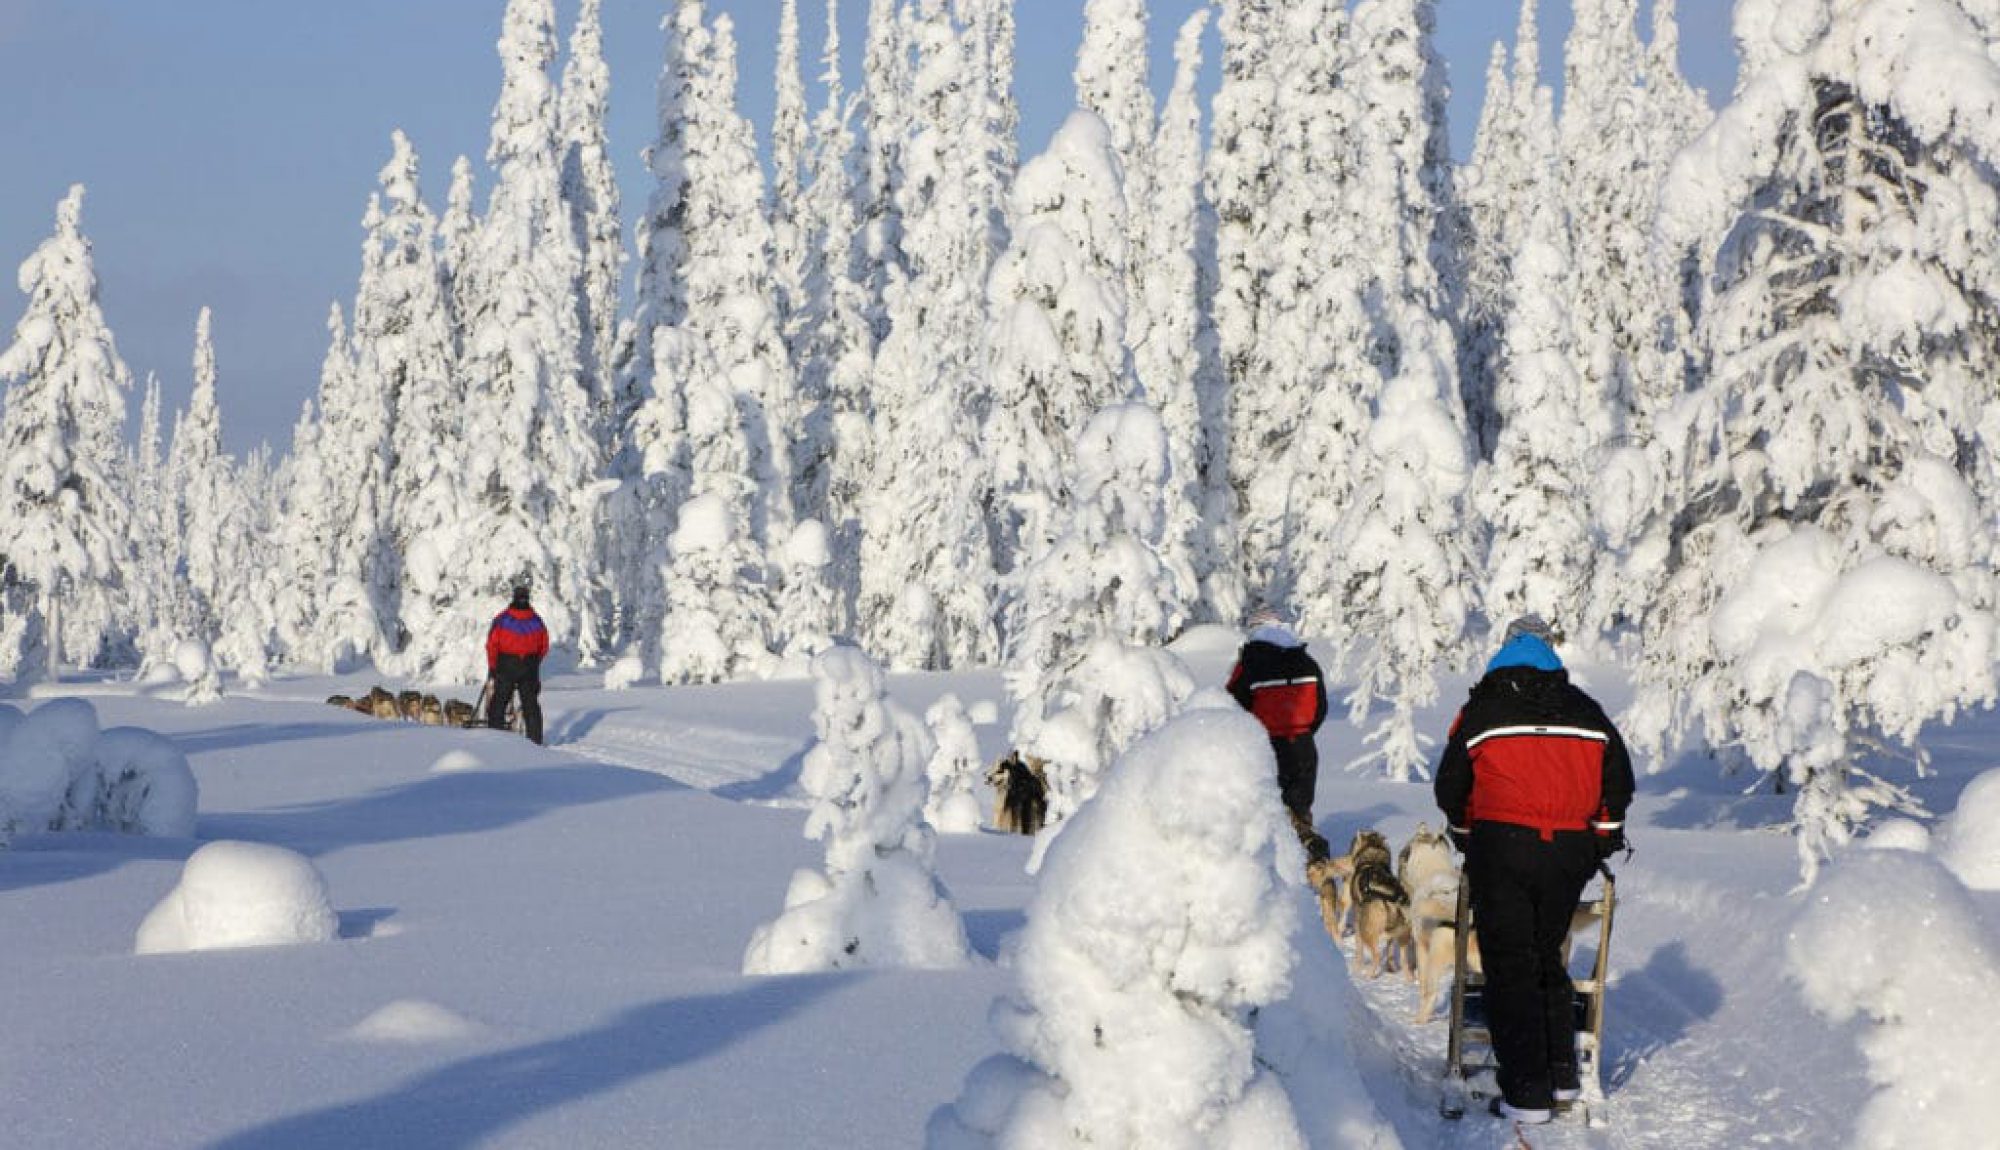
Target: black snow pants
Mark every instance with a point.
(1298, 773)
(512, 673)
(1524, 890)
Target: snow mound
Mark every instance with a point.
(414, 1021)
(191, 659)
(629, 669)
(1899, 835)
(456, 760)
(1969, 842)
(1207, 639)
(235, 894)
(1892, 937)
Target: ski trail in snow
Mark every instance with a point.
(706, 758)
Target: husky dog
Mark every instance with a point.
(1329, 877)
(340, 701)
(1434, 930)
(1381, 907)
(382, 704)
(1425, 857)
(430, 712)
(1020, 793)
(459, 713)
(410, 705)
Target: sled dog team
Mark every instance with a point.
(412, 706)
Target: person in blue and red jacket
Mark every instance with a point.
(1275, 680)
(515, 645)
(1533, 783)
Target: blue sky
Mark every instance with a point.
(229, 146)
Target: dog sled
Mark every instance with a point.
(477, 722)
(1469, 1061)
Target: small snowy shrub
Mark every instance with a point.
(1161, 922)
(235, 894)
(141, 785)
(43, 754)
(1931, 1050)
(954, 770)
(878, 902)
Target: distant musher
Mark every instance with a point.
(515, 645)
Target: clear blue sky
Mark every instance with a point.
(229, 146)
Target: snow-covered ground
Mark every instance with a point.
(543, 947)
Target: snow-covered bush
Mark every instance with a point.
(1969, 841)
(1161, 922)
(1858, 949)
(58, 772)
(234, 894)
(954, 769)
(878, 903)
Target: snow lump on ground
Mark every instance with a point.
(234, 894)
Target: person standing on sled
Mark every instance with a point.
(1534, 782)
(515, 644)
(1275, 680)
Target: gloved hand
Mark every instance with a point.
(1610, 843)
(1460, 839)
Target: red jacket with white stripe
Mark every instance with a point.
(1275, 680)
(1532, 749)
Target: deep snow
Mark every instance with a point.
(543, 947)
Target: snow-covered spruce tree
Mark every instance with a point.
(955, 771)
(878, 902)
(1829, 587)
(149, 588)
(649, 458)
(1056, 299)
(1491, 197)
(803, 610)
(403, 343)
(790, 235)
(884, 122)
(1176, 359)
(1535, 495)
(247, 637)
(211, 529)
(717, 616)
(532, 463)
(590, 191)
(836, 365)
(457, 228)
(731, 299)
(1404, 572)
(356, 408)
(1105, 982)
(1087, 670)
(65, 527)
(927, 582)
(1111, 81)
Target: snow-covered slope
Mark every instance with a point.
(543, 947)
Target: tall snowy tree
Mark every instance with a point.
(1535, 495)
(1058, 304)
(64, 524)
(790, 139)
(1087, 669)
(590, 190)
(927, 580)
(1176, 357)
(156, 550)
(1829, 587)
(456, 230)
(403, 346)
(533, 458)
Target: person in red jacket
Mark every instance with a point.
(515, 644)
(1275, 680)
(1533, 783)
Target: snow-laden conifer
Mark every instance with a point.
(1087, 669)
(1057, 304)
(456, 229)
(1176, 358)
(1158, 929)
(1535, 496)
(790, 139)
(590, 191)
(1829, 579)
(878, 901)
(149, 589)
(64, 524)
(927, 583)
(528, 423)
(955, 771)
(215, 525)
